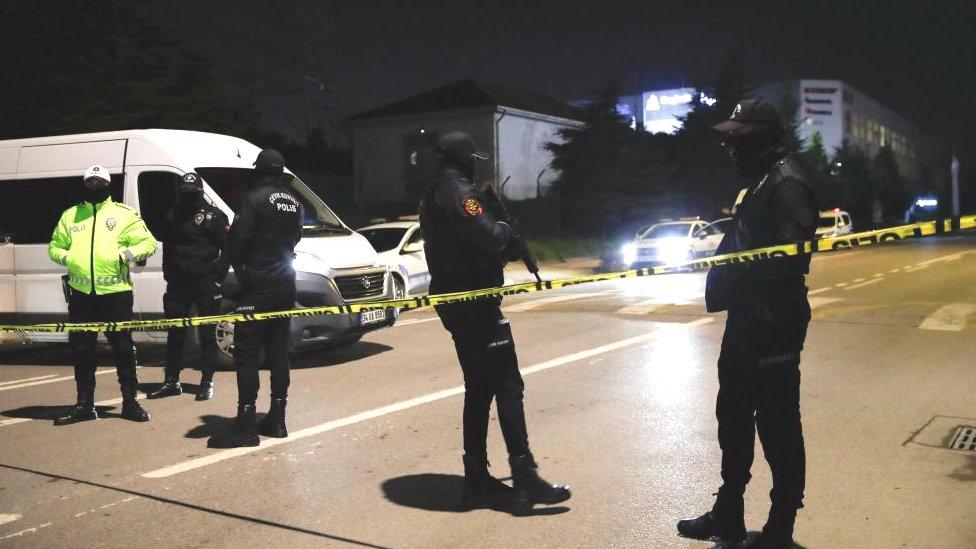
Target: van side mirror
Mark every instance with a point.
(412, 248)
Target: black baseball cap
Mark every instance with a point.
(457, 145)
(752, 116)
(270, 161)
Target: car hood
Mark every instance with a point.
(340, 251)
(655, 242)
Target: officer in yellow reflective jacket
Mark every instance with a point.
(98, 240)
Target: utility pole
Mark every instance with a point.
(954, 170)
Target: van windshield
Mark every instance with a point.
(231, 183)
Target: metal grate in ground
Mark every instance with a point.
(964, 439)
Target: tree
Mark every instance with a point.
(890, 187)
(852, 176)
(814, 159)
(703, 167)
(789, 109)
(96, 66)
(606, 169)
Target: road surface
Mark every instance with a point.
(620, 389)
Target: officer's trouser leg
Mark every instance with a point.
(275, 339)
(736, 415)
(477, 396)
(83, 344)
(247, 353)
(507, 385)
(207, 301)
(118, 307)
(781, 433)
(176, 304)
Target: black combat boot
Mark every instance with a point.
(481, 490)
(778, 531)
(273, 424)
(131, 409)
(84, 409)
(529, 487)
(206, 389)
(171, 387)
(242, 433)
(725, 521)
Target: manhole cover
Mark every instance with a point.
(964, 439)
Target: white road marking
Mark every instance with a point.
(13, 381)
(27, 531)
(871, 281)
(816, 302)
(819, 291)
(5, 519)
(109, 402)
(840, 284)
(643, 307)
(951, 318)
(925, 264)
(895, 270)
(413, 321)
(536, 303)
(858, 279)
(222, 455)
(52, 380)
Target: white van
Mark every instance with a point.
(41, 177)
(834, 223)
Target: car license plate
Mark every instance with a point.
(372, 317)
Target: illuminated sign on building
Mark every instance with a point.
(664, 109)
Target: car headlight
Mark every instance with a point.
(673, 250)
(628, 253)
(309, 263)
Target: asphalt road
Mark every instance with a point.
(620, 388)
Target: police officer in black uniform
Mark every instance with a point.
(768, 313)
(466, 248)
(262, 243)
(195, 263)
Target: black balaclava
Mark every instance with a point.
(96, 190)
(191, 190)
(754, 153)
(268, 168)
(457, 150)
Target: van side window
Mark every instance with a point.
(157, 194)
(31, 207)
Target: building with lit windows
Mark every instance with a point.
(832, 108)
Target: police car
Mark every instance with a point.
(400, 245)
(834, 223)
(672, 242)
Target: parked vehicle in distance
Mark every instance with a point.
(400, 246)
(833, 223)
(671, 242)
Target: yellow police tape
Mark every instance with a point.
(866, 238)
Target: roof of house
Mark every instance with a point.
(470, 93)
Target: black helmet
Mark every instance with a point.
(270, 161)
(192, 179)
(457, 149)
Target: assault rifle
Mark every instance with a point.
(498, 208)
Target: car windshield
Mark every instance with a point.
(231, 183)
(827, 222)
(383, 239)
(667, 230)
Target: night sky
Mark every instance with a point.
(916, 57)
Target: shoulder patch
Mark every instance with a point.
(472, 206)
